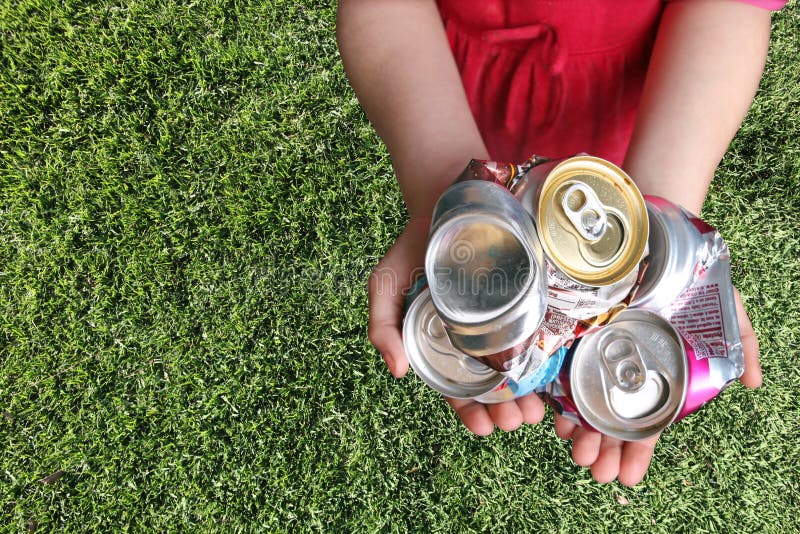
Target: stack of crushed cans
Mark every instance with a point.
(559, 278)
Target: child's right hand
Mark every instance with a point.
(388, 283)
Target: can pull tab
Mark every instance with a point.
(585, 211)
(623, 359)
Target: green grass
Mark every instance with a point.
(191, 200)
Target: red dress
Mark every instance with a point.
(554, 77)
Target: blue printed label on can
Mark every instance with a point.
(543, 376)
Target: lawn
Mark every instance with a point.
(191, 200)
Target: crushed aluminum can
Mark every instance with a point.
(449, 371)
(629, 380)
(676, 249)
(484, 265)
(434, 359)
(512, 176)
(688, 282)
(592, 223)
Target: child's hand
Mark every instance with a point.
(387, 285)
(609, 458)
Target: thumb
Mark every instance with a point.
(386, 320)
(387, 285)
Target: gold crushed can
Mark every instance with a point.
(592, 223)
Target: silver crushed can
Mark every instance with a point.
(484, 265)
(628, 380)
(434, 359)
(443, 367)
(675, 246)
(688, 282)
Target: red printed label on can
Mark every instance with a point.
(697, 314)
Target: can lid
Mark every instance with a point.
(434, 359)
(480, 267)
(592, 221)
(629, 380)
(484, 264)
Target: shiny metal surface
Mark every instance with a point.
(477, 260)
(434, 359)
(630, 379)
(591, 220)
(674, 245)
(484, 265)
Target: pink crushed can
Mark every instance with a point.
(628, 380)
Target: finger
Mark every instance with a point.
(751, 377)
(506, 415)
(386, 316)
(606, 468)
(385, 335)
(636, 456)
(532, 409)
(564, 427)
(387, 284)
(396, 273)
(585, 446)
(473, 414)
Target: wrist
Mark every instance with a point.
(676, 183)
(423, 184)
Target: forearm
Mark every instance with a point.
(705, 69)
(399, 63)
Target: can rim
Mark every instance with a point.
(652, 423)
(634, 251)
(426, 372)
